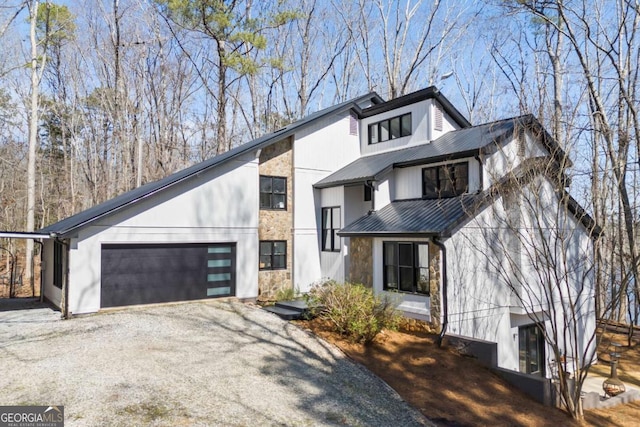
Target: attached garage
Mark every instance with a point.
(155, 273)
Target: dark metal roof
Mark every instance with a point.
(481, 139)
(433, 217)
(459, 143)
(441, 217)
(108, 207)
(429, 93)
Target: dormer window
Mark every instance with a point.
(445, 180)
(388, 129)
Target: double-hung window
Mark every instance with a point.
(445, 180)
(330, 226)
(388, 129)
(273, 192)
(406, 267)
(273, 254)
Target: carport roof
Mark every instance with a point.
(68, 225)
(23, 235)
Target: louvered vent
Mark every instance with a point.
(353, 125)
(438, 120)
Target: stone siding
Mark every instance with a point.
(361, 261)
(277, 160)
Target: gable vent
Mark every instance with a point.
(438, 118)
(353, 125)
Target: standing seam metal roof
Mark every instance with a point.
(440, 217)
(433, 217)
(85, 217)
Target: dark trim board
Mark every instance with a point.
(133, 274)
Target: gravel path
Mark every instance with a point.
(209, 363)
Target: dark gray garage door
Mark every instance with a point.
(154, 273)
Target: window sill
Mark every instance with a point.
(397, 291)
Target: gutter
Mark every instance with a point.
(445, 304)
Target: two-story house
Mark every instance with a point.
(396, 195)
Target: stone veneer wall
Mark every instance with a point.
(434, 286)
(361, 271)
(277, 160)
(361, 261)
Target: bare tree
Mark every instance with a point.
(535, 244)
(606, 49)
(37, 63)
(409, 39)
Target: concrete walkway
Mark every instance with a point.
(595, 398)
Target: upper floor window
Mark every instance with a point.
(273, 192)
(445, 180)
(330, 227)
(388, 129)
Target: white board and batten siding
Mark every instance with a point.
(51, 293)
(318, 151)
(419, 128)
(426, 126)
(218, 206)
(332, 264)
(509, 157)
(481, 303)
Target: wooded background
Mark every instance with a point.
(99, 97)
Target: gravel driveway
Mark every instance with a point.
(202, 363)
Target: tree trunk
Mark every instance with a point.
(33, 140)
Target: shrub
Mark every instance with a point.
(286, 294)
(354, 310)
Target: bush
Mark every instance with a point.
(354, 310)
(286, 294)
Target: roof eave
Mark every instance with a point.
(268, 139)
(23, 235)
(424, 233)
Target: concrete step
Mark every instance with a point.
(296, 305)
(284, 313)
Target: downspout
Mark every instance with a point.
(445, 304)
(64, 304)
(481, 174)
(41, 261)
(369, 183)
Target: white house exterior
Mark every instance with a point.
(401, 196)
